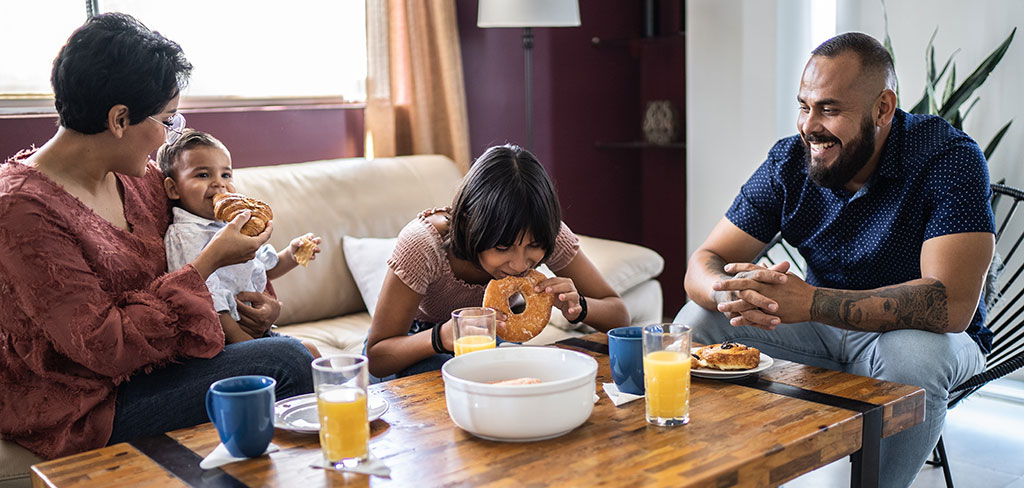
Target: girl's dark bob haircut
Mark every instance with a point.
(505, 194)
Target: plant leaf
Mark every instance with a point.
(969, 107)
(995, 140)
(930, 53)
(976, 78)
(932, 106)
(946, 66)
(950, 83)
(888, 46)
(921, 107)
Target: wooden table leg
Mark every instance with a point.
(866, 462)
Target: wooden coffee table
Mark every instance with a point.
(760, 431)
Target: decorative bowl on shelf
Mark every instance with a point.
(661, 122)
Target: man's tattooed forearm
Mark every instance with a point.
(922, 306)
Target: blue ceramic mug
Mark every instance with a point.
(242, 409)
(625, 352)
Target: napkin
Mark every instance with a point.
(220, 456)
(618, 397)
(372, 466)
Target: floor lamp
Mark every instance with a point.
(528, 14)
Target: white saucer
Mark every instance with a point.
(718, 374)
(298, 413)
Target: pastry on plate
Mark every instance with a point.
(728, 356)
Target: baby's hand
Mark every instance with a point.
(304, 248)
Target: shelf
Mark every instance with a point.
(639, 145)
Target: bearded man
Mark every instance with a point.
(891, 213)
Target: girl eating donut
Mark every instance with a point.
(505, 221)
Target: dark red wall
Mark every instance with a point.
(255, 136)
(585, 93)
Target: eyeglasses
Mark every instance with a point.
(174, 127)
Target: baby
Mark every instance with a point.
(196, 167)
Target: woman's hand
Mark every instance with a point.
(256, 319)
(229, 246)
(567, 298)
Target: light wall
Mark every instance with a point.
(743, 64)
(730, 103)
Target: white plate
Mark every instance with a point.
(718, 374)
(298, 413)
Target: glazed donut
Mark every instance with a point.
(227, 205)
(523, 326)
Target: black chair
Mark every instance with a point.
(1003, 293)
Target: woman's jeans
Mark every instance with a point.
(935, 362)
(174, 396)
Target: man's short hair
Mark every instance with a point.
(873, 56)
(190, 139)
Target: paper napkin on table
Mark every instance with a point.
(372, 466)
(618, 397)
(220, 456)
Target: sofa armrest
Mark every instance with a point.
(15, 462)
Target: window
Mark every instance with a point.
(244, 52)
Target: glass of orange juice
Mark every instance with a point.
(667, 374)
(340, 384)
(474, 329)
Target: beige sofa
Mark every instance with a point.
(375, 199)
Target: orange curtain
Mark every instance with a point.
(415, 95)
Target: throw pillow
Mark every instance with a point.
(367, 259)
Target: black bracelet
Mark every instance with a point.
(435, 341)
(583, 314)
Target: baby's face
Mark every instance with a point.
(201, 173)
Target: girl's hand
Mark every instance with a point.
(448, 335)
(499, 322)
(293, 247)
(567, 297)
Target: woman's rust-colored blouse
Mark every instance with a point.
(84, 304)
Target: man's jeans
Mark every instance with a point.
(935, 362)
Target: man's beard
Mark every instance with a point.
(852, 158)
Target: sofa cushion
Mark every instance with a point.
(334, 335)
(341, 197)
(623, 265)
(367, 260)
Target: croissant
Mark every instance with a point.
(227, 205)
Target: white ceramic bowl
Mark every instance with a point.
(561, 402)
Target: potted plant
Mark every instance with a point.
(948, 105)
